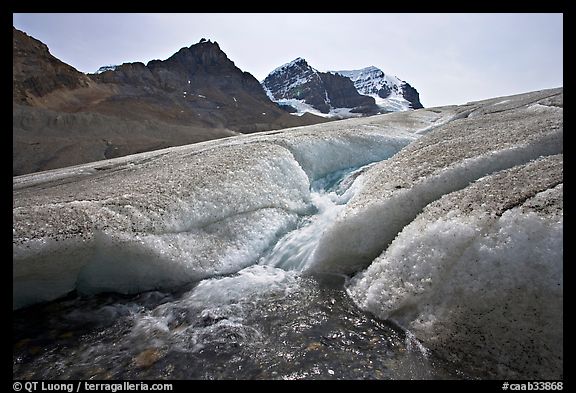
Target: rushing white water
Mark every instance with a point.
(328, 195)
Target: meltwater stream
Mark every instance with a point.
(268, 321)
(329, 195)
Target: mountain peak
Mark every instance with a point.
(206, 43)
(390, 92)
(196, 62)
(338, 93)
(305, 89)
(371, 69)
(298, 60)
(298, 63)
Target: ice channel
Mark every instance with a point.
(329, 195)
(267, 321)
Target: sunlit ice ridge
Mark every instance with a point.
(378, 200)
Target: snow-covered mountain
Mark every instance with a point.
(389, 92)
(107, 68)
(299, 88)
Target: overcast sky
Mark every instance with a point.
(448, 58)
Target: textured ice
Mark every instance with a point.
(328, 195)
(158, 224)
(478, 274)
(165, 218)
(445, 160)
(460, 231)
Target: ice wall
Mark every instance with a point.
(178, 218)
(477, 276)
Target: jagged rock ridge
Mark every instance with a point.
(390, 93)
(297, 83)
(300, 88)
(63, 117)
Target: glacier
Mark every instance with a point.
(447, 221)
(164, 218)
(448, 159)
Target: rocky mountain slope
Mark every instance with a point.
(390, 93)
(37, 73)
(63, 117)
(302, 89)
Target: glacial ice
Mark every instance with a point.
(458, 228)
(440, 162)
(478, 274)
(328, 196)
(162, 219)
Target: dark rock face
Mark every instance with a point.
(342, 93)
(197, 94)
(136, 74)
(384, 92)
(199, 66)
(286, 80)
(411, 95)
(287, 108)
(323, 91)
(297, 80)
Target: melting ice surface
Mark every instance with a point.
(329, 195)
(267, 321)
